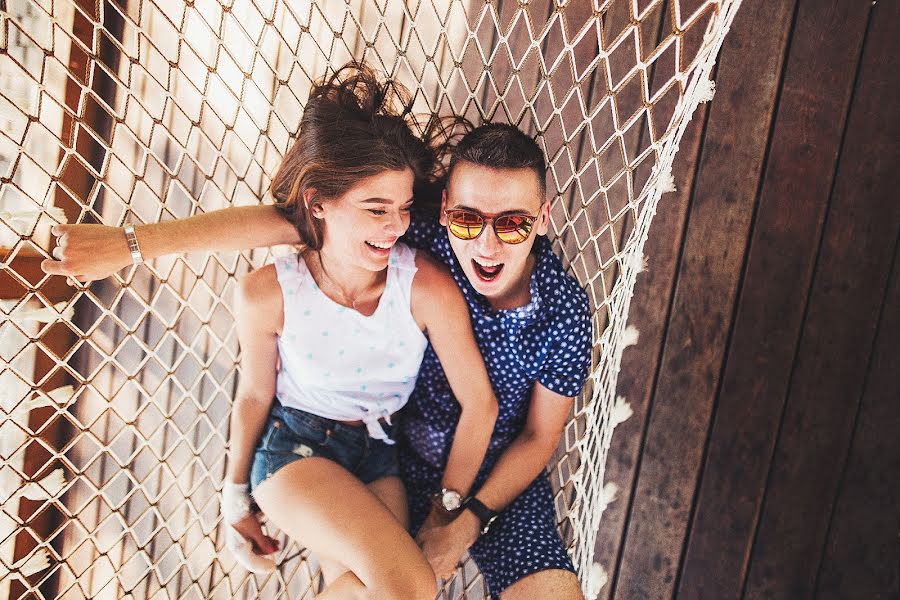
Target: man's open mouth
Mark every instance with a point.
(486, 270)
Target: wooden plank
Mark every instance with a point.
(650, 313)
(713, 253)
(837, 337)
(27, 265)
(860, 557)
(43, 517)
(804, 147)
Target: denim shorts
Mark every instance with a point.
(291, 434)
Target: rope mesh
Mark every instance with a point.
(114, 399)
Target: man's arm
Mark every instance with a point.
(88, 252)
(524, 459)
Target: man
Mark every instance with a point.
(532, 325)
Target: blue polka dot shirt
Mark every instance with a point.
(548, 341)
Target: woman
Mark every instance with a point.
(335, 333)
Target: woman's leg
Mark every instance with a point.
(335, 515)
(392, 494)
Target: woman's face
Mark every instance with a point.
(362, 225)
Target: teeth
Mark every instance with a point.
(487, 263)
(382, 246)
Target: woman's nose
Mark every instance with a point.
(397, 224)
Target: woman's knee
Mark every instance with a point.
(405, 584)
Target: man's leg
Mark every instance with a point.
(552, 583)
(522, 556)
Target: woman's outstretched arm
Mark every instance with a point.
(89, 252)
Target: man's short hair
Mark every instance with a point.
(501, 146)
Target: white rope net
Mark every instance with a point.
(114, 399)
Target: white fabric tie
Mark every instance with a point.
(373, 425)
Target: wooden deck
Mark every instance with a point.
(763, 455)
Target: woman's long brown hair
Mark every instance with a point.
(356, 125)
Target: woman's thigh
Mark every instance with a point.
(392, 494)
(321, 504)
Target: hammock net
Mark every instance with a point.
(114, 398)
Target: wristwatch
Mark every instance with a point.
(485, 515)
(449, 500)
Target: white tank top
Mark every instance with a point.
(340, 364)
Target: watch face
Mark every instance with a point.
(451, 500)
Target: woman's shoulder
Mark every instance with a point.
(260, 288)
(431, 271)
(435, 294)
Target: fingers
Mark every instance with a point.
(250, 528)
(54, 267)
(443, 570)
(241, 550)
(57, 253)
(263, 544)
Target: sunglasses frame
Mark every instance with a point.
(489, 220)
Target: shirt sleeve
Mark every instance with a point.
(565, 369)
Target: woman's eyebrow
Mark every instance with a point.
(382, 201)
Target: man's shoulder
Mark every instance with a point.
(561, 291)
(424, 228)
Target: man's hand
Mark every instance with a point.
(444, 544)
(88, 252)
(436, 518)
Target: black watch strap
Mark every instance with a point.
(485, 515)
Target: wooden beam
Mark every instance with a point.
(848, 287)
(712, 257)
(860, 556)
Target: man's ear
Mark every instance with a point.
(543, 222)
(443, 217)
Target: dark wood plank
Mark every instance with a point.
(860, 557)
(76, 185)
(804, 147)
(837, 337)
(713, 255)
(650, 313)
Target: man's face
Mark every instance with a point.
(501, 272)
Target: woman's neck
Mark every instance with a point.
(351, 281)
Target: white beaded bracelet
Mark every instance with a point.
(133, 247)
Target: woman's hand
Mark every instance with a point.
(244, 536)
(434, 519)
(249, 545)
(88, 252)
(251, 530)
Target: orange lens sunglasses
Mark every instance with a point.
(509, 229)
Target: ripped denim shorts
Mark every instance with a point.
(291, 434)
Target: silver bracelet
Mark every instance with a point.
(133, 247)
